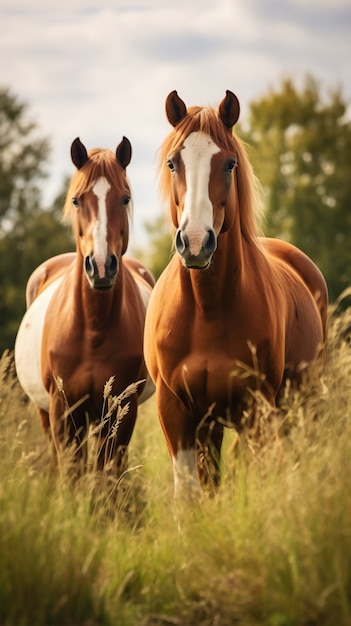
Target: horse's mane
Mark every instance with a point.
(206, 119)
(100, 163)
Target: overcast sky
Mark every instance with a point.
(100, 70)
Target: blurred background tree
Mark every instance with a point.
(300, 147)
(160, 245)
(28, 233)
(301, 152)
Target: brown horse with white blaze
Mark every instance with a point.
(86, 312)
(229, 299)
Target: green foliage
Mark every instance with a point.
(23, 158)
(28, 233)
(273, 547)
(159, 249)
(37, 237)
(301, 154)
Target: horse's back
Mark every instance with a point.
(311, 276)
(306, 301)
(139, 270)
(142, 277)
(46, 273)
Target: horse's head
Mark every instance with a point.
(99, 197)
(201, 155)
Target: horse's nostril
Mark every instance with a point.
(181, 242)
(210, 242)
(99, 270)
(89, 266)
(111, 265)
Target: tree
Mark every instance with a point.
(301, 153)
(28, 233)
(23, 158)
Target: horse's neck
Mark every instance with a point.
(222, 282)
(96, 307)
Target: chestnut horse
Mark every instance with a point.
(86, 311)
(229, 302)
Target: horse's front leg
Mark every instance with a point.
(114, 438)
(68, 434)
(209, 440)
(179, 428)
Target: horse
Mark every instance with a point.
(84, 323)
(232, 312)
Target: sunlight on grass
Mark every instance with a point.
(273, 547)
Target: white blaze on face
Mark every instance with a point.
(101, 189)
(197, 215)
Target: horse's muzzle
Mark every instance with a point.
(94, 276)
(202, 259)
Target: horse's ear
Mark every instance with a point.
(175, 108)
(79, 153)
(124, 152)
(229, 109)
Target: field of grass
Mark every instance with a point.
(272, 548)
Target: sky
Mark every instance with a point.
(101, 70)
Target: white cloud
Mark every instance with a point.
(103, 70)
(323, 5)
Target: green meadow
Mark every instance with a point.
(273, 547)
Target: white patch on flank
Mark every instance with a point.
(186, 482)
(101, 189)
(28, 347)
(197, 214)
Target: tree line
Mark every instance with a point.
(299, 143)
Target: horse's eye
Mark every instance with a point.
(75, 202)
(126, 201)
(171, 165)
(230, 164)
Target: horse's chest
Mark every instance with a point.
(208, 371)
(89, 375)
(210, 381)
(211, 365)
(101, 354)
(86, 357)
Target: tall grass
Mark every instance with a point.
(273, 547)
